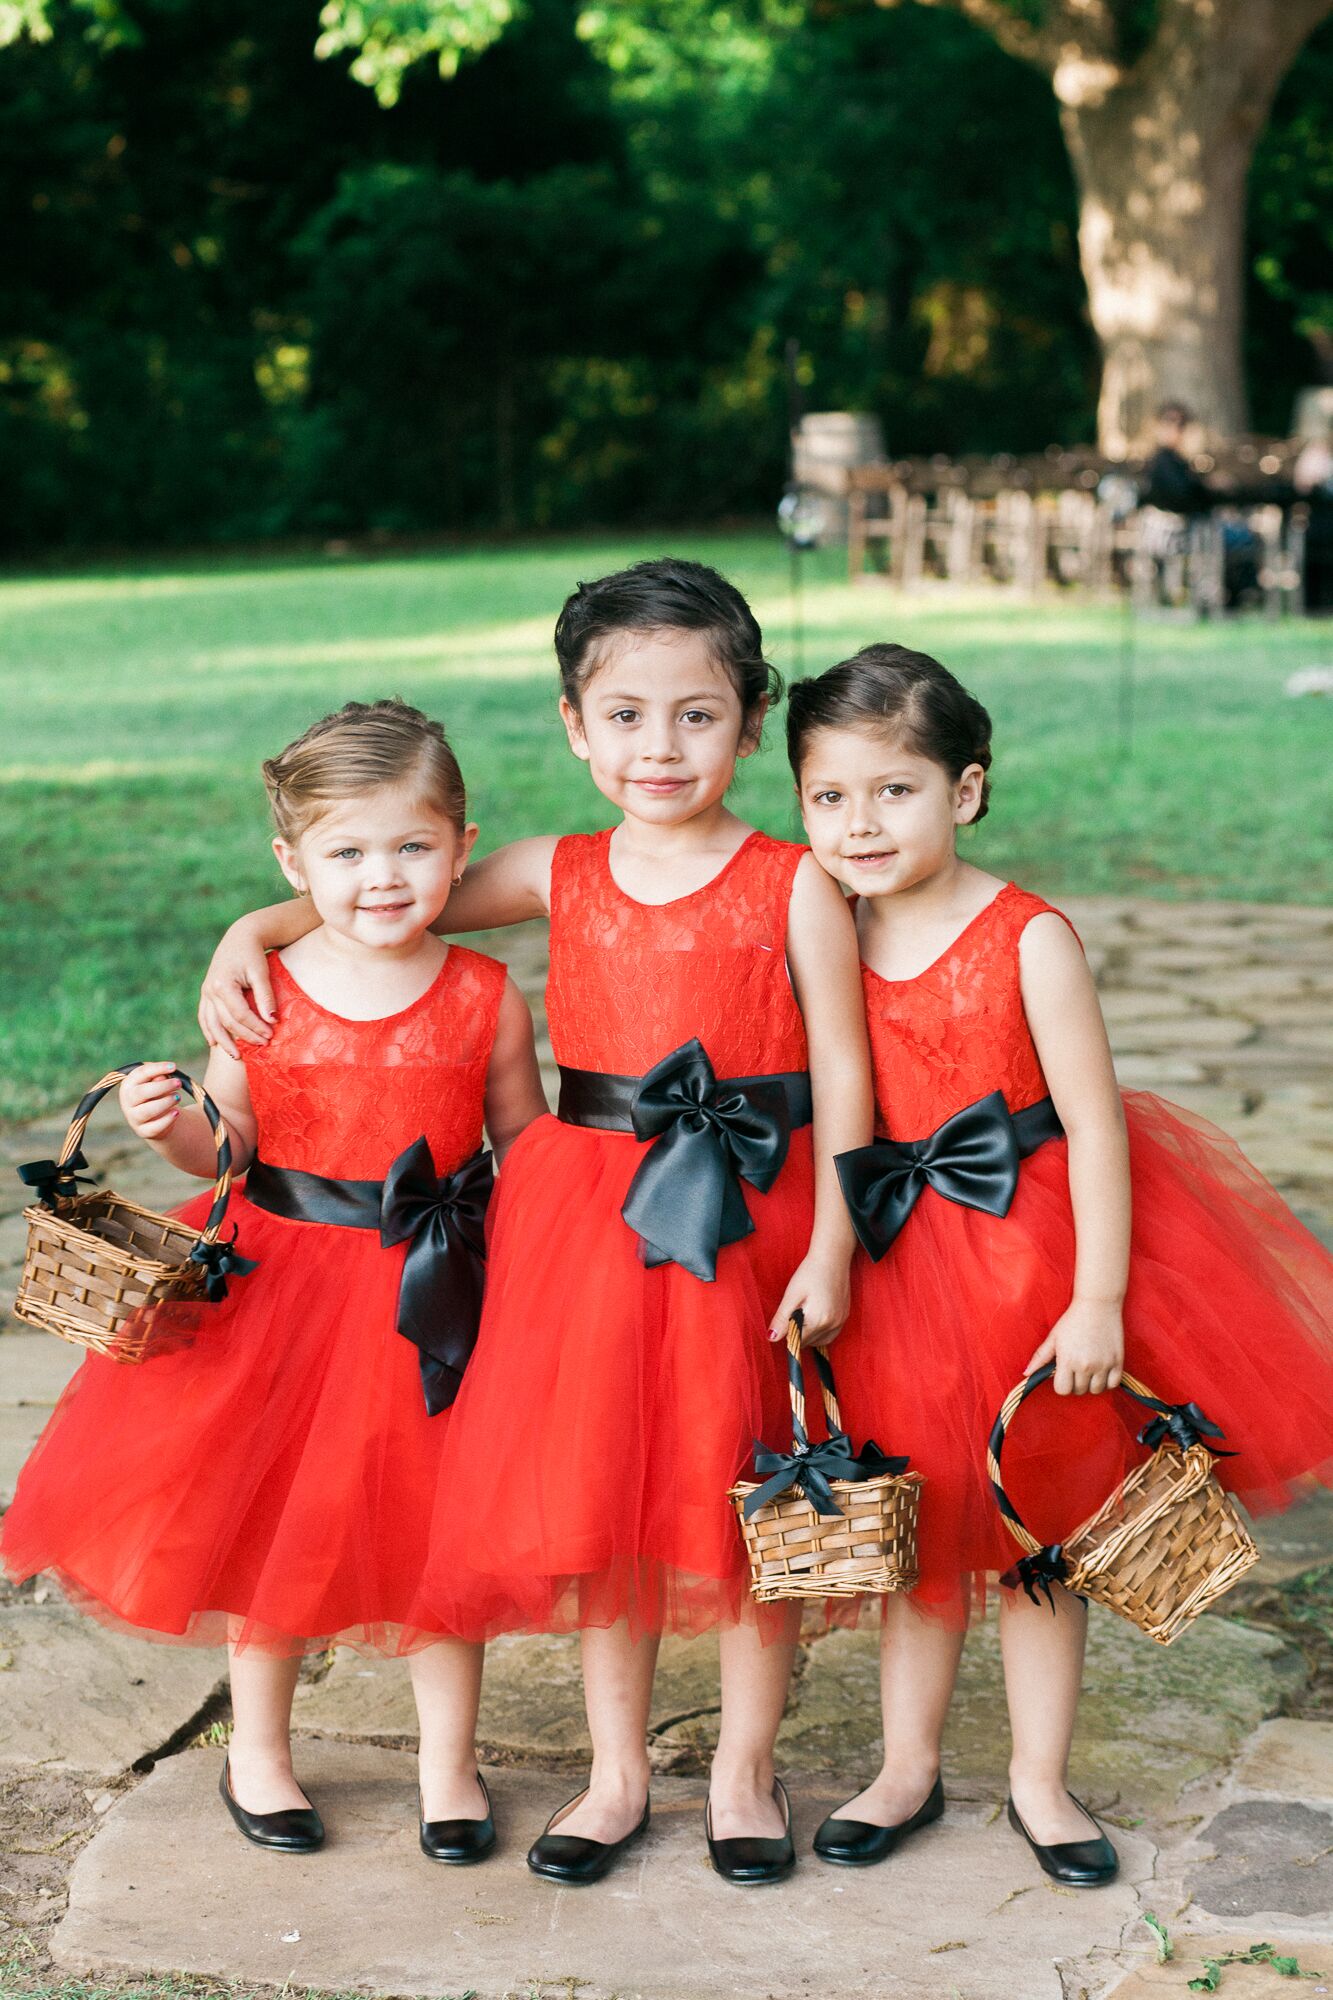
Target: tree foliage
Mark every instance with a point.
(242, 298)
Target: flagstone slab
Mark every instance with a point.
(1151, 1720)
(1153, 1981)
(531, 1700)
(968, 1910)
(76, 1696)
(1270, 1857)
(1288, 1759)
(34, 1368)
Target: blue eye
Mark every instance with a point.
(347, 854)
(415, 847)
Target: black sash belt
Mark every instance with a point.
(685, 1201)
(443, 1221)
(972, 1159)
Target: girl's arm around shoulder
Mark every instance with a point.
(507, 887)
(825, 970)
(514, 1094)
(1060, 1001)
(179, 1131)
(236, 1003)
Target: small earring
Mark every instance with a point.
(457, 880)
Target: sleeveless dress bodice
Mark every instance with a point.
(957, 1031)
(630, 982)
(343, 1098)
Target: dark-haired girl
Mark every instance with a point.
(982, 1011)
(653, 1239)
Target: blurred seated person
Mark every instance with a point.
(1171, 484)
(1312, 477)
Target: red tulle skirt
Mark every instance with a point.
(1230, 1305)
(608, 1407)
(270, 1481)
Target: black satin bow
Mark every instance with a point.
(439, 1297)
(812, 1466)
(1037, 1573)
(51, 1182)
(685, 1201)
(1186, 1425)
(972, 1158)
(220, 1261)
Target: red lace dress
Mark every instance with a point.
(1230, 1300)
(609, 1405)
(272, 1481)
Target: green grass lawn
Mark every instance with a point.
(138, 705)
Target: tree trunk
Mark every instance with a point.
(1161, 179)
(1161, 148)
(1161, 240)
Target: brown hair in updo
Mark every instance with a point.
(668, 594)
(363, 748)
(894, 692)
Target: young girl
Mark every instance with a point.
(271, 1482)
(978, 996)
(673, 1216)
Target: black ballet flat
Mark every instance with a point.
(751, 1859)
(573, 1859)
(857, 1843)
(1079, 1864)
(298, 1830)
(459, 1841)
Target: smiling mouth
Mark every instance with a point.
(383, 909)
(871, 860)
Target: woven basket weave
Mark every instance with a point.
(99, 1268)
(797, 1552)
(1167, 1543)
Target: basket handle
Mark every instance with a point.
(796, 1383)
(1182, 1424)
(57, 1179)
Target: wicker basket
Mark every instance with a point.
(795, 1551)
(99, 1269)
(1167, 1544)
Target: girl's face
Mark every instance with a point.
(881, 818)
(378, 867)
(660, 727)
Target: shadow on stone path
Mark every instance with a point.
(1225, 1818)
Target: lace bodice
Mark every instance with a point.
(958, 1030)
(344, 1098)
(631, 981)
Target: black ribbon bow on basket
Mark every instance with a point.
(811, 1466)
(221, 1260)
(972, 1158)
(1186, 1425)
(685, 1201)
(443, 1221)
(1036, 1573)
(52, 1182)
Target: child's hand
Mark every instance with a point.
(821, 1290)
(237, 974)
(1087, 1345)
(150, 1099)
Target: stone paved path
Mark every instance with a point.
(1225, 1818)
